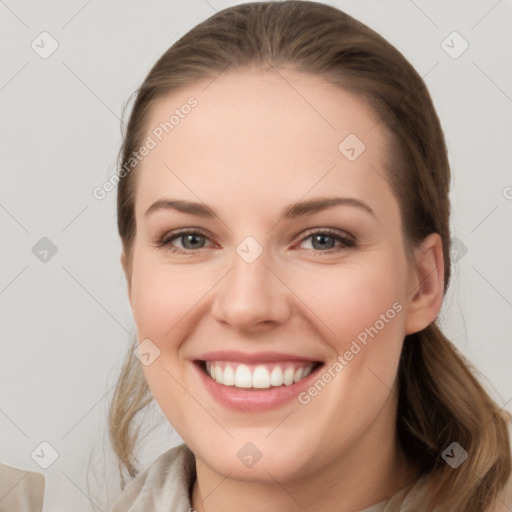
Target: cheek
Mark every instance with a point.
(161, 296)
(350, 300)
(363, 307)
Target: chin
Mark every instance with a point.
(260, 461)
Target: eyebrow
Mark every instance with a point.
(292, 211)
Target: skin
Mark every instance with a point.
(255, 144)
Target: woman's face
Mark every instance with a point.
(293, 269)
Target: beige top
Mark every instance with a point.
(165, 486)
(20, 491)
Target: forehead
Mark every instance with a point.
(277, 134)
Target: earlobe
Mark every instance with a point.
(427, 285)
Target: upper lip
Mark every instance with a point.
(252, 357)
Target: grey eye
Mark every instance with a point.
(192, 241)
(323, 241)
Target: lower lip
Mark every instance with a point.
(254, 399)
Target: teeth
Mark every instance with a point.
(228, 378)
(243, 377)
(288, 376)
(260, 378)
(298, 375)
(276, 377)
(257, 376)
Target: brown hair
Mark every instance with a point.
(440, 401)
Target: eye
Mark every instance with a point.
(325, 240)
(183, 241)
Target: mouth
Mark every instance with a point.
(255, 382)
(257, 376)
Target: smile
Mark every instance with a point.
(258, 376)
(255, 382)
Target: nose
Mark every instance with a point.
(251, 296)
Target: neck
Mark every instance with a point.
(372, 470)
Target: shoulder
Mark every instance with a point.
(25, 489)
(164, 485)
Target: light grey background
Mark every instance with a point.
(66, 323)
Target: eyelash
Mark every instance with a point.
(346, 242)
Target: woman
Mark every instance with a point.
(284, 212)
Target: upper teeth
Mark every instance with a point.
(257, 376)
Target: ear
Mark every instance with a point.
(126, 264)
(426, 284)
